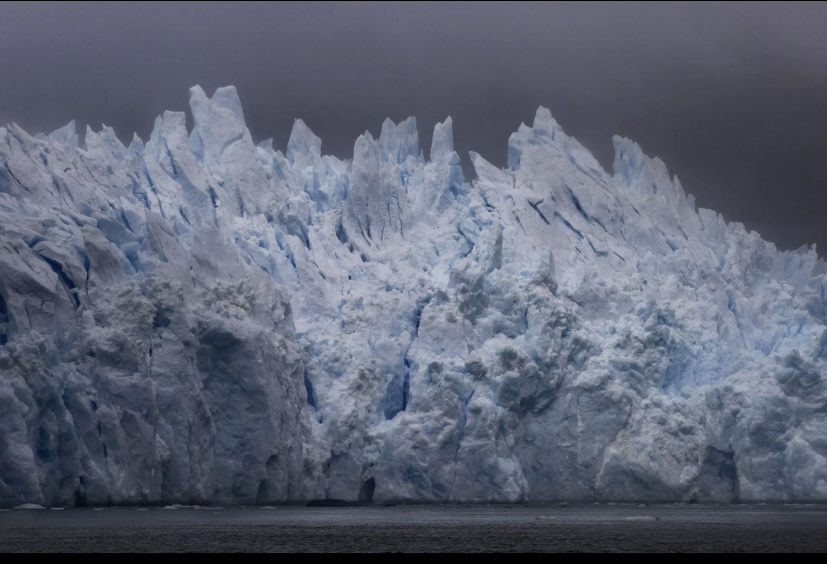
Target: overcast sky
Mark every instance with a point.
(733, 97)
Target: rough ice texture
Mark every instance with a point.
(201, 320)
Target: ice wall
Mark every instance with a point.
(203, 320)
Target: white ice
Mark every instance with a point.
(201, 320)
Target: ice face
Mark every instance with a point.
(202, 320)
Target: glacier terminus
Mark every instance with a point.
(198, 319)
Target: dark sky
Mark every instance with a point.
(733, 96)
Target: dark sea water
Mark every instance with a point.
(549, 528)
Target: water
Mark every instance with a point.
(550, 528)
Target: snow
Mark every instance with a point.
(199, 320)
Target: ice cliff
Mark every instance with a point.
(202, 320)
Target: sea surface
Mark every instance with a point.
(432, 528)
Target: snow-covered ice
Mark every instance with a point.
(201, 320)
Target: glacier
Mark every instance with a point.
(202, 320)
